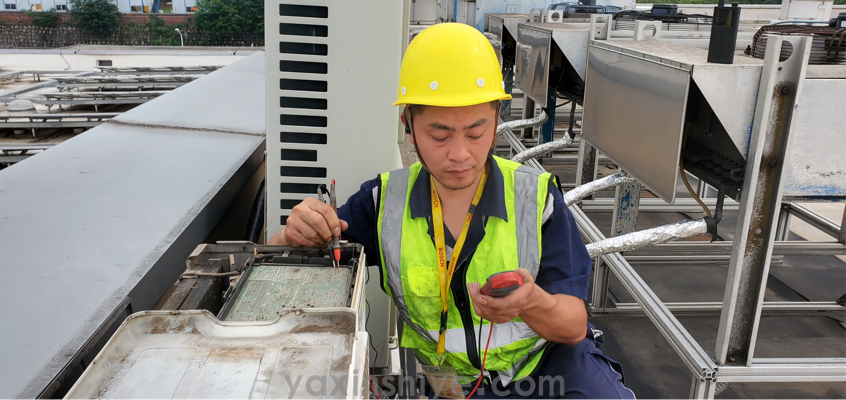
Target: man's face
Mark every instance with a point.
(455, 141)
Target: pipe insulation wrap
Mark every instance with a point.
(522, 123)
(542, 149)
(590, 188)
(648, 237)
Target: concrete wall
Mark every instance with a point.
(749, 12)
(125, 6)
(86, 57)
(25, 36)
(168, 19)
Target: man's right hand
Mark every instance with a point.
(312, 223)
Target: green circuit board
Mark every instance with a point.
(271, 288)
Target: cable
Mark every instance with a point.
(373, 388)
(690, 189)
(367, 317)
(482, 372)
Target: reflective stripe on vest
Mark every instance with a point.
(410, 270)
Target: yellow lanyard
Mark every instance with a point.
(445, 271)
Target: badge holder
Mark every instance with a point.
(444, 381)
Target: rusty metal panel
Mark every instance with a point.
(269, 289)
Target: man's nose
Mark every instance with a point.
(460, 150)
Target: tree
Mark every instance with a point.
(44, 19)
(98, 17)
(220, 19)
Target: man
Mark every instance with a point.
(441, 227)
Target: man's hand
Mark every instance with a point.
(312, 223)
(503, 309)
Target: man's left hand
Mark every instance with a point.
(503, 309)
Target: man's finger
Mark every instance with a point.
(318, 222)
(330, 218)
(526, 275)
(305, 230)
(295, 239)
(344, 225)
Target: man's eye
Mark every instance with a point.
(437, 139)
(476, 137)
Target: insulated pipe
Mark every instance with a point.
(542, 149)
(648, 237)
(521, 123)
(590, 188)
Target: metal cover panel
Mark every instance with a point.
(817, 158)
(731, 92)
(115, 210)
(634, 114)
(190, 354)
(271, 288)
(532, 71)
(339, 88)
(573, 41)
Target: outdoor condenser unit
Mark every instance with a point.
(649, 105)
(332, 68)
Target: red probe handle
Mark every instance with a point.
(502, 284)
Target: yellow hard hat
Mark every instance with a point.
(450, 65)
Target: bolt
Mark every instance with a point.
(785, 90)
(758, 231)
(772, 163)
(733, 359)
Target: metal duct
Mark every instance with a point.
(542, 149)
(637, 240)
(522, 123)
(590, 188)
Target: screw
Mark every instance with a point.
(785, 90)
(733, 359)
(758, 231)
(772, 163)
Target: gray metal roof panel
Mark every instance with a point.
(112, 213)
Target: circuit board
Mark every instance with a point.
(271, 288)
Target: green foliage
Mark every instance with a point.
(98, 17)
(163, 35)
(44, 19)
(220, 19)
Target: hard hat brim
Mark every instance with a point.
(459, 101)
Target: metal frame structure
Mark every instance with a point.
(762, 221)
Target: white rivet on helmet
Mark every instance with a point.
(403, 90)
(480, 82)
(433, 85)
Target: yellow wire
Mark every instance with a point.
(690, 189)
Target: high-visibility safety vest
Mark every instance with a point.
(410, 274)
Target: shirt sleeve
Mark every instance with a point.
(360, 213)
(565, 265)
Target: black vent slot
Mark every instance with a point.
(314, 49)
(303, 67)
(304, 172)
(288, 204)
(302, 102)
(310, 188)
(304, 30)
(295, 10)
(283, 220)
(300, 137)
(299, 155)
(303, 85)
(302, 120)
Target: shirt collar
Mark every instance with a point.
(492, 202)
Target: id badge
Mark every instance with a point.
(444, 381)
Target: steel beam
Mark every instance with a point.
(770, 309)
(786, 370)
(786, 248)
(528, 112)
(817, 221)
(780, 86)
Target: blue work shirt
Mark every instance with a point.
(565, 265)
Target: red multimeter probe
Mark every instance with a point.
(501, 284)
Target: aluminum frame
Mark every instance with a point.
(706, 372)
